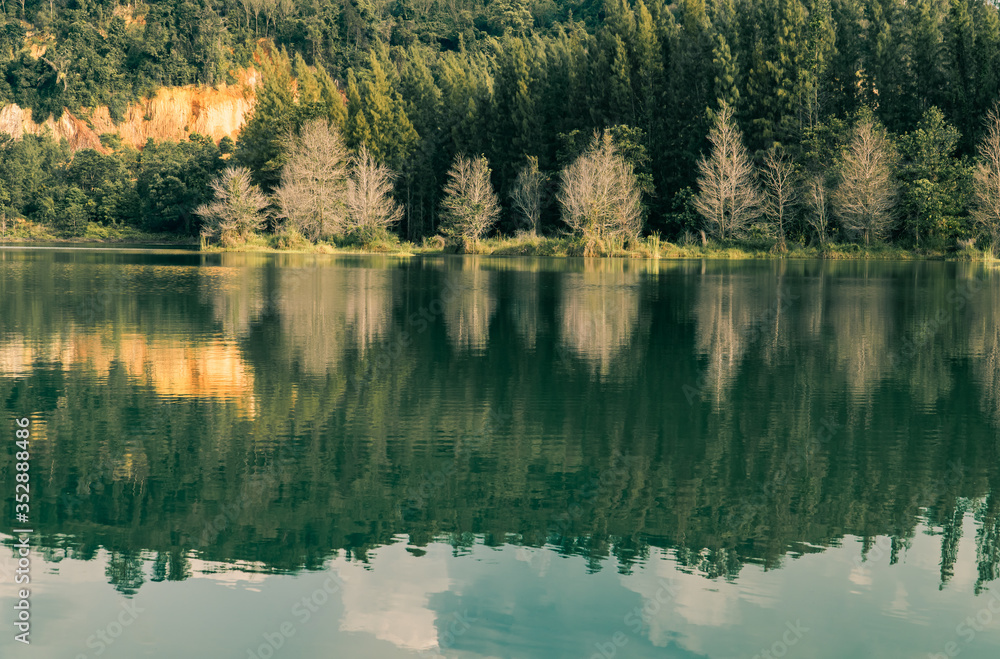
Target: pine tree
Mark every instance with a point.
(725, 56)
(850, 75)
(611, 100)
(774, 91)
(515, 120)
(890, 61)
(648, 82)
(690, 96)
(357, 132)
(392, 136)
(376, 114)
(259, 144)
(423, 171)
(318, 95)
(466, 83)
(973, 45)
(820, 36)
(927, 18)
(566, 92)
(283, 106)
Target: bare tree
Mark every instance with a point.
(312, 193)
(238, 209)
(865, 197)
(526, 196)
(986, 181)
(600, 197)
(728, 197)
(818, 202)
(371, 208)
(781, 193)
(470, 206)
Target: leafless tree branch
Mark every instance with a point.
(866, 195)
(986, 181)
(728, 198)
(599, 195)
(312, 193)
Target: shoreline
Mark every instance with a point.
(96, 235)
(667, 251)
(650, 248)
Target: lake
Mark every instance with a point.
(296, 456)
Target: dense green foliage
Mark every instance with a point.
(156, 188)
(420, 82)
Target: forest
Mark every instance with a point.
(766, 122)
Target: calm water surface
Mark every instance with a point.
(311, 456)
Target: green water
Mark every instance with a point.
(484, 457)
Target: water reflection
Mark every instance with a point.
(278, 410)
(736, 312)
(392, 603)
(600, 311)
(466, 302)
(491, 602)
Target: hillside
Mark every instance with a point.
(171, 114)
(524, 83)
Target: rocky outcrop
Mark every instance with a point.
(16, 121)
(173, 113)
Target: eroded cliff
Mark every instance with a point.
(172, 113)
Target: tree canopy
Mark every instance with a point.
(419, 84)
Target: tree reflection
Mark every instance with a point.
(373, 386)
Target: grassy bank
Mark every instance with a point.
(27, 232)
(651, 247)
(290, 242)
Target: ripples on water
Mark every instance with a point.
(547, 456)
